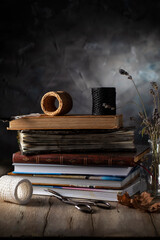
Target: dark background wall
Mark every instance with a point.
(74, 45)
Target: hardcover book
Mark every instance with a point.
(102, 182)
(90, 159)
(88, 193)
(69, 169)
(67, 122)
(89, 140)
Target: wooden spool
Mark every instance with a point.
(48, 106)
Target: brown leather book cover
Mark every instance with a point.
(97, 159)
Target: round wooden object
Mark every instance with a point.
(64, 103)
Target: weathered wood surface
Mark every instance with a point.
(47, 216)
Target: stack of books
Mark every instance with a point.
(84, 156)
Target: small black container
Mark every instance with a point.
(104, 101)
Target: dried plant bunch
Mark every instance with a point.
(150, 126)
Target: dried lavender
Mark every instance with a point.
(123, 72)
(151, 126)
(154, 85)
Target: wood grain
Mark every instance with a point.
(28, 220)
(46, 216)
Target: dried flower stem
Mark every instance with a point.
(158, 101)
(140, 99)
(123, 72)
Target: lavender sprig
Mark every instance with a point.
(123, 72)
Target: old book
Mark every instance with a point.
(67, 122)
(49, 141)
(107, 182)
(90, 159)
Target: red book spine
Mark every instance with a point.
(74, 159)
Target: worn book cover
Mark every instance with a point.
(67, 122)
(94, 159)
(49, 141)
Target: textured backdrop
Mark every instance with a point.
(75, 45)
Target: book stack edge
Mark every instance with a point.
(91, 157)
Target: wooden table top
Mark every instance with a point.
(45, 216)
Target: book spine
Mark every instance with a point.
(74, 159)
